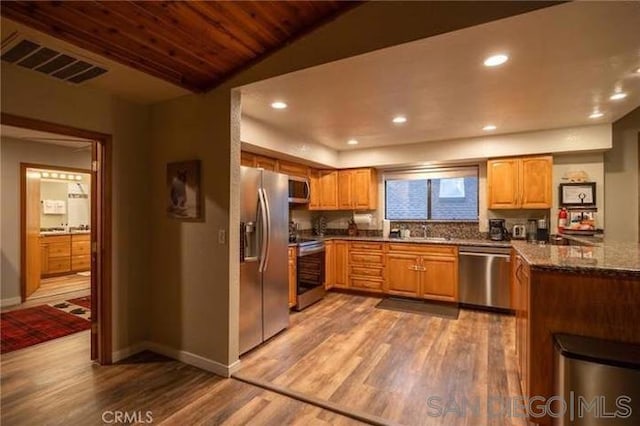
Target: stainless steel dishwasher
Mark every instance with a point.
(484, 276)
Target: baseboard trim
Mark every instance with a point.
(10, 301)
(193, 359)
(123, 353)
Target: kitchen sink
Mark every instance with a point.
(427, 239)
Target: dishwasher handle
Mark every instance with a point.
(469, 253)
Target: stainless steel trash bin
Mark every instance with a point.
(597, 382)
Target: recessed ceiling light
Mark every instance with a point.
(495, 60)
(399, 119)
(489, 127)
(596, 114)
(618, 96)
(278, 105)
(638, 70)
(352, 142)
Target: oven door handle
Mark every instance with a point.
(310, 251)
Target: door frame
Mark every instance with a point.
(101, 228)
(23, 214)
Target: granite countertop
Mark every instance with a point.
(62, 233)
(414, 240)
(610, 258)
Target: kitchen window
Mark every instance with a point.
(432, 194)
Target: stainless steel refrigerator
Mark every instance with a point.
(264, 237)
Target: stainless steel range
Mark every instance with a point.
(310, 267)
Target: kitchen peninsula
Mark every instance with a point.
(585, 290)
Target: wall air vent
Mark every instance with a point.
(61, 65)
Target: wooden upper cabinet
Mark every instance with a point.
(502, 183)
(345, 189)
(267, 163)
(293, 169)
(536, 185)
(247, 159)
(520, 183)
(365, 189)
(314, 189)
(358, 189)
(328, 197)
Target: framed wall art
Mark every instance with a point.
(183, 190)
(581, 194)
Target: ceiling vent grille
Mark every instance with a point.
(34, 56)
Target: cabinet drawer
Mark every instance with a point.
(366, 258)
(80, 237)
(367, 246)
(81, 263)
(368, 284)
(59, 249)
(436, 250)
(55, 265)
(80, 248)
(49, 239)
(367, 271)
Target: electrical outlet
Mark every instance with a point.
(222, 236)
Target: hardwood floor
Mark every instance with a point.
(342, 350)
(54, 383)
(61, 285)
(388, 364)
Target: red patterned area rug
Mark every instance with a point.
(26, 327)
(82, 301)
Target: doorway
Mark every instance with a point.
(99, 237)
(57, 218)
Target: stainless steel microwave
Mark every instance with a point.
(299, 191)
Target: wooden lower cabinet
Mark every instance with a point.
(293, 296)
(329, 265)
(340, 264)
(402, 276)
(400, 269)
(61, 254)
(520, 277)
(366, 266)
(439, 278)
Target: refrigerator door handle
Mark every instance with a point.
(268, 228)
(262, 216)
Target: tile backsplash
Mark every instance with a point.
(466, 230)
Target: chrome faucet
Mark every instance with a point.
(424, 230)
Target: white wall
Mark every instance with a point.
(621, 180)
(30, 94)
(260, 137)
(12, 153)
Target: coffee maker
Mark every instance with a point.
(497, 230)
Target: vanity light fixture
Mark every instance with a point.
(45, 174)
(78, 177)
(54, 175)
(63, 176)
(278, 105)
(618, 96)
(495, 60)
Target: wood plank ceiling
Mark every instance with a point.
(193, 44)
